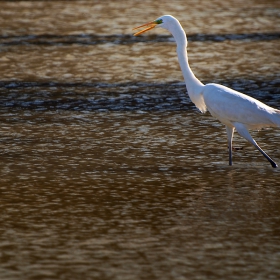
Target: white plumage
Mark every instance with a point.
(232, 108)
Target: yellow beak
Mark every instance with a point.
(149, 26)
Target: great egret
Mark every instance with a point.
(234, 109)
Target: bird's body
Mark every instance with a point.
(232, 108)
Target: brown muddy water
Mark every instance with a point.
(108, 171)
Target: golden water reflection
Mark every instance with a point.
(107, 169)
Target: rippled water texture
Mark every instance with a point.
(108, 171)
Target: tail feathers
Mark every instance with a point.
(276, 117)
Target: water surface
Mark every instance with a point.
(108, 171)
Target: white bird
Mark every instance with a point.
(234, 109)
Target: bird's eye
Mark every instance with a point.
(158, 21)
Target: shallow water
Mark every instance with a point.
(108, 171)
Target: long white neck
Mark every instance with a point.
(192, 83)
(194, 86)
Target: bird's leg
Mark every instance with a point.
(243, 131)
(230, 131)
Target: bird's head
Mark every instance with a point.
(164, 22)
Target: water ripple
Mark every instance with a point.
(117, 97)
(93, 39)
